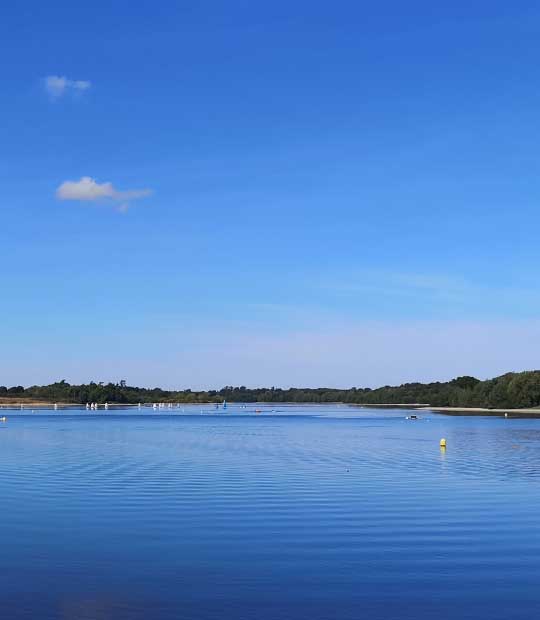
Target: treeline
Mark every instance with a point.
(512, 390)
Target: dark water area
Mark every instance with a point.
(295, 512)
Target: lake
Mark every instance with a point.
(297, 512)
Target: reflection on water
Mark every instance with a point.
(291, 512)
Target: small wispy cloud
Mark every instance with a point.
(87, 189)
(432, 292)
(57, 86)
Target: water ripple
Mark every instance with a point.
(324, 512)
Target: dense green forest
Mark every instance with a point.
(512, 390)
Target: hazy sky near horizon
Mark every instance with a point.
(198, 194)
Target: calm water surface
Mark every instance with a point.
(297, 512)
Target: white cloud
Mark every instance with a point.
(57, 86)
(86, 189)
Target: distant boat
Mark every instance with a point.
(412, 417)
(224, 404)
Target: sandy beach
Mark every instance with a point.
(512, 413)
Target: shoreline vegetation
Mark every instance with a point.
(519, 392)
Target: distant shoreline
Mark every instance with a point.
(453, 411)
(463, 411)
(517, 390)
(482, 411)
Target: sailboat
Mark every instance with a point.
(224, 404)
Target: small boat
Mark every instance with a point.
(224, 404)
(412, 417)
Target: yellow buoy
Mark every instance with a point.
(442, 443)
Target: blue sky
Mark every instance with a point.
(285, 193)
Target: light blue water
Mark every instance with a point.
(308, 512)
